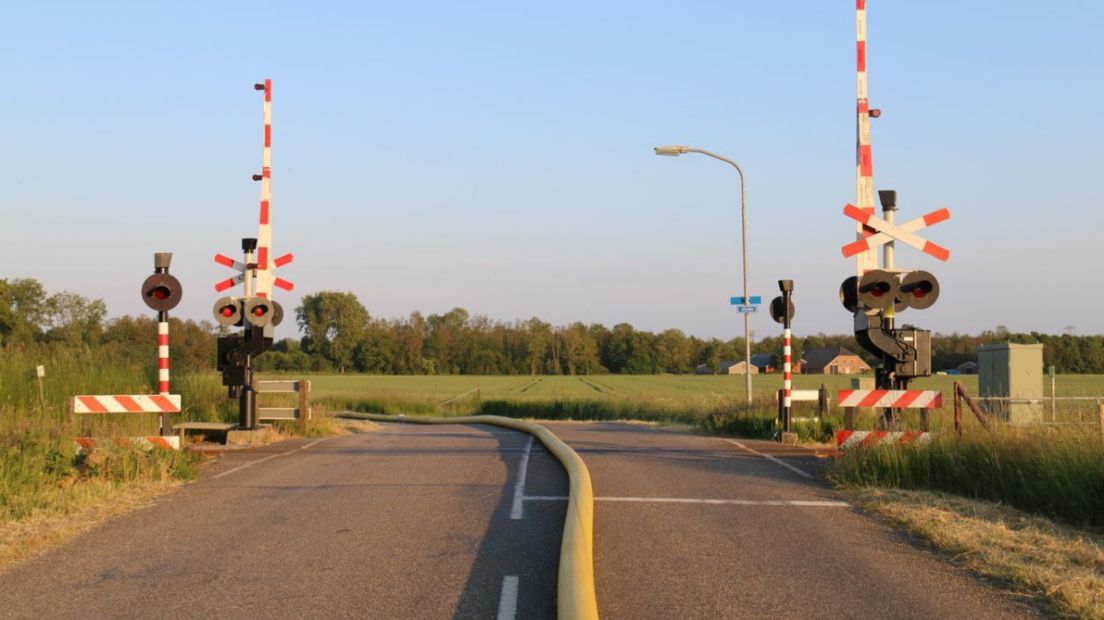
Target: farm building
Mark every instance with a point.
(833, 361)
(763, 362)
(737, 368)
(968, 368)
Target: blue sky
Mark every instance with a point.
(497, 155)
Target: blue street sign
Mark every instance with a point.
(752, 300)
(746, 309)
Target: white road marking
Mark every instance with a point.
(519, 487)
(507, 603)
(771, 458)
(694, 500)
(267, 458)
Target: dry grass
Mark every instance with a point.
(90, 503)
(1032, 555)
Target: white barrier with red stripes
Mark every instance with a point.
(864, 157)
(264, 230)
(261, 271)
(142, 403)
(860, 439)
(896, 399)
(166, 442)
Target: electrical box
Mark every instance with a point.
(919, 364)
(1014, 371)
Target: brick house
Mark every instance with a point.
(833, 361)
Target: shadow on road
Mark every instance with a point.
(528, 548)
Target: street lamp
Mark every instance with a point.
(675, 151)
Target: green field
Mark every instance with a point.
(676, 398)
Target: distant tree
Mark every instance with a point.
(333, 325)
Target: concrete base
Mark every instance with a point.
(788, 439)
(260, 436)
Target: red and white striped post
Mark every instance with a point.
(787, 376)
(163, 355)
(782, 312)
(162, 293)
(264, 230)
(864, 158)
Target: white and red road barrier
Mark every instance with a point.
(860, 439)
(896, 399)
(165, 442)
(141, 403)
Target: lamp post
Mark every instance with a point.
(675, 151)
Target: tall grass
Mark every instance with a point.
(39, 466)
(1054, 473)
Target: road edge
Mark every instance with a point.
(576, 598)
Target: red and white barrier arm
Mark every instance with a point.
(264, 229)
(859, 439)
(166, 442)
(141, 403)
(896, 399)
(864, 157)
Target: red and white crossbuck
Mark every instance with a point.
(896, 232)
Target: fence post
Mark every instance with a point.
(304, 404)
(1100, 419)
(957, 410)
(822, 401)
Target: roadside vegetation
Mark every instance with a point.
(1059, 564)
(1058, 474)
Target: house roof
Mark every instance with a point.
(762, 360)
(819, 358)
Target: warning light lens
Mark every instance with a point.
(879, 289)
(227, 311)
(160, 292)
(260, 311)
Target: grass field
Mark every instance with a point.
(677, 397)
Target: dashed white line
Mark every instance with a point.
(519, 487)
(267, 458)
(770, 458)
(507, 603)
(694, 500)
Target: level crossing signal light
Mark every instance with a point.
(879, 290)
(161, 291)
(256, 311)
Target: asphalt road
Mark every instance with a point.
(465, 522)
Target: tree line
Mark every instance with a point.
(338, 334)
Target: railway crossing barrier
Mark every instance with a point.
(161, 292)
(255, 311)
(855, 439)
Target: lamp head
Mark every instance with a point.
(673, 151)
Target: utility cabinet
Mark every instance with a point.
(1015, 371)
